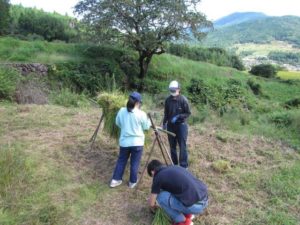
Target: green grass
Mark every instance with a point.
(289, 75)
(13, 50)
(57, 181)
(38, 184)
(264, 49)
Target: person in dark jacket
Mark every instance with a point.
(176, 112)
(177, 191)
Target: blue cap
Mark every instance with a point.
(136, 96)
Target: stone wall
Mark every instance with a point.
(27, 68)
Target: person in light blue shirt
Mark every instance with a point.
(132, 121)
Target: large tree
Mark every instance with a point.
(4, 16)
(145, 25)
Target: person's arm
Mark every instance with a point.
(165, 113)
(152, 200)
(118, 122)
(186, 109)
(146, 124)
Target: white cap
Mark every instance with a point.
(174, 85)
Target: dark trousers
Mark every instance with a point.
(181, 131)
(136, 153)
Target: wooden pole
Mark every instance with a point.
(93, 138)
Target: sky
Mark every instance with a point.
(213, 9)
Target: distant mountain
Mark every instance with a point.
(263, 30)
(237, 18)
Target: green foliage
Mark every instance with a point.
(219, 97)
(268, 29)
(284, 183)
(264, 70)
(292, 103)
(255, 86)
(32, 23)
(67, 98)
(281, 118)
(285, 57)
(215, 56)
(132, 22)
(87, 77)
(8, 82)
(13, 170)
(4, 16)
(15, 50)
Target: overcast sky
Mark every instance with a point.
(213, 9)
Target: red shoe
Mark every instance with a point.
(186, 222)
(189, 216)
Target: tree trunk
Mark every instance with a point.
(144, 62)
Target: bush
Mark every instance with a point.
(254, 86)
(218, 97)
(67, 98)
(264, 70)
(293, 103)
(90, 77)
(217, 56)
(9, 79)
(281, 119)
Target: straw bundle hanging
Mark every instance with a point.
(111, 104)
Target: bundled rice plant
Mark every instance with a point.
(111, 102)
(161, 218)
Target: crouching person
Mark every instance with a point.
(177, 191)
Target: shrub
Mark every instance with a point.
(255, 87)
(217, 56)
(281, 119)
(68, 98)
(293, 103)
(218, 97)
(9, 79)
(264, 70)
(87, 77)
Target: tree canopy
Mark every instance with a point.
(4, 16)
(144, 25)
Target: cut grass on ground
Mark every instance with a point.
(63, 182)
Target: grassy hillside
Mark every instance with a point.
(14, 50)
(269, 29)
(50, 176)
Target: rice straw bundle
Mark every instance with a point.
(111, 102)
(161, 218)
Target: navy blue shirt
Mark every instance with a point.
(176, 105)
(179, 182)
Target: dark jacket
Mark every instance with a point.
(176, 105)
(180, 183)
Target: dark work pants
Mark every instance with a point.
(181, 131)
(135, 153)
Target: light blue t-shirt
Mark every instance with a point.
(132, 126)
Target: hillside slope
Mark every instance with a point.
(263, 30)
(49, 175)
(237, 18)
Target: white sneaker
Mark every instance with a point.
(115, 183)
(131, 185)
